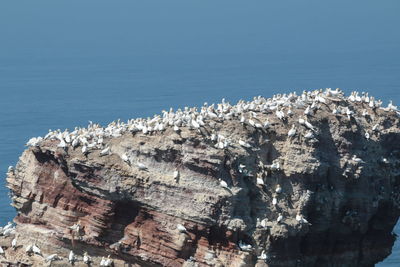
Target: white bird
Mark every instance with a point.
(1, 250)
(71, 257)
(141, 166)
(86, 258)
(307, 111)
(298, 217)
(107, 262)
(14, 243)
(367, 136)
(292, 131)
(263, 255)
(391, 106)
(176, 128)
(28, 249)
(36, 250)
(223, 183)
(8, 226)
(274, 201)
(309, 125)
(105, 151)
(263, 223)
(280, 217)
(280, 114)
(195, 124)
(52, 257)
(244, 144)
(309, 135)
(356, 159)
(278, 189)
(125, 158)
(62, 144)
(181, 228)
(260, 181)
(176, 175)
(252, 123)
(10, 169)
(244, 246)
(84, 149)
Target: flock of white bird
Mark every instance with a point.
(33, 248)
(95, 137)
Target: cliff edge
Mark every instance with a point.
(293, 180)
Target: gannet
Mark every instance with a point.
(280, 217)
(103, 261)
(260, 181)
(141, 166)
(244, 246)
(86, 258)
(181, 228)
(8, 226)
(307, 111)
(84, 150)
(298, 217)
(52, 257)
(105, 151)
(223, 183)
(391, 106)
(244, 144)
(275, 166)
(251, 122)
(263, 255)
(176, 128)
(1, 250)
(335, 110)
(75, 143)
(195, 124)
(349, 113)
(292, 131)
(278, 189)
(36, 250)
(375, 127)
(280, 114)
(309, 135)
(274, 201)
(176, 175)
(10, 169)
(125, 158)
(309, 125)
(14, 243)
(28, 249)
(356, 159)
(108, 262)
(366, 135)
(266, 124)
(71, 257)
(62, 144)
(263, 222)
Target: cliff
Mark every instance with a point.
(325, 164)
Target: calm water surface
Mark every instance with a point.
(63, 64)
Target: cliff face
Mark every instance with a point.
(129, 199)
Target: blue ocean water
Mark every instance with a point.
(63, 63)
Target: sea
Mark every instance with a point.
(65, 63)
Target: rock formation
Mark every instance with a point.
(124, 192)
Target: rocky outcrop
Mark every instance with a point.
(339, 173)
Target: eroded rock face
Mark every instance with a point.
(131, 211)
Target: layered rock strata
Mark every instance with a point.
(226, 178)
